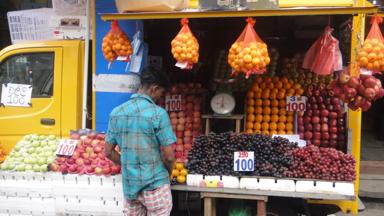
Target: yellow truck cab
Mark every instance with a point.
(54, 69)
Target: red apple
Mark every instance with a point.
(115, 169)
(72, 168)
(308, 135)
(54, 167)
(75, 136)
(95, 142)
(315, 119)
(87, 162)
(106, 170)
(97, 149)
(85, 155)
(98, 170)
(333, 130)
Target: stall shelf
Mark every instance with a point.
(358, 9)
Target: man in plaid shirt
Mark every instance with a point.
(140, 127)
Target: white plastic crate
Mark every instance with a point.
(30, 25)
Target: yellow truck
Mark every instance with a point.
(54, 69)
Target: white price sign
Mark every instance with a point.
(173, 102)
(296, 103)
(244, 161)
(16, 95)
(66, 147)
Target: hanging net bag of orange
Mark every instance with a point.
(371, 55)
(249, 54)
(324, 56)
(185, 47)
(116, 44)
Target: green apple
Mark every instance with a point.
(27, 137)
(31, 150)
(42, 137)
(52, 142)
(10, 160)
(36, 168)
(42, 161)
(35, 143)
(17, 147)
(51, 137)
(43, 168)
(47, 154)
(27, 160)
(28, 167)
(3, 166)
(10, 166)
(20, 168)
(17, 154)
(43, 143)
(33, 160)
(50, 160)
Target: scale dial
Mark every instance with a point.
(223, 103)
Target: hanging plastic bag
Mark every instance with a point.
(185, 47)
(371, 55)
(249, 54)
(116, 44)
(324, 56)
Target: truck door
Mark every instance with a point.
(40, 68)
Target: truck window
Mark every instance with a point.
(35, 69)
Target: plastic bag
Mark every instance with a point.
(185, 47)
(116, 44)
(249, 54)
(371, 55)
(324, 56)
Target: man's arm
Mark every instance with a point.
(111, 153)
(168, 158)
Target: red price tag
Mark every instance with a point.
(296, 103)
(173, 102)
(66, 147)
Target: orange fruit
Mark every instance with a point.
(282, 119)
(274, 118)
(250, 94)
(284, 80)
(273, 95)
(275, 110)
(259, 110)
(257, 126)
(279, 85)
(266, 118)
(265, 94)
(264, 126)
(271, 132)
(270, 85)
(175, 172)
(258, 95)
(281, 132)
(289, 126)
(266, 102)
(282, 111)
(281, 94)
(290, 132)
(266, 132)
(257, 131)
(249, 125)
(266, 111)
(251, 102)
(179, 166)
(259, 118)
(289, 118)
(184, 172)
(180, 179)
(275, 103)
(249, 131)
(268, 79)
(272, 126)
(251, 117)
(287, 85)
(250, 110)
(280, 126)
(290, 92)
(363, 61)
(282, 103)
(259, 79)
(275, 79)
(263, 85)
(299, 91)
(259, 102)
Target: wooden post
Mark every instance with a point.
(261, 208)
(208, 206)
(238, 125)
(207, 126)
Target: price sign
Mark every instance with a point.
(66, 147)
(16, 95)
(296, 103)
(244, 161)
(173, 102)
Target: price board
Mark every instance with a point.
(296, 103)
(244, 161)
(18, 95)
(173, 102)
(66, 147)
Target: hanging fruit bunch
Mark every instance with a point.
(185, 47)
(249, 54)
(116, 43)
(358, 92)
(371, 55)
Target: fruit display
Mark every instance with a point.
(249, 54)
(324, 121)
(88, 157)
(312, 162)
(274, 157)
(116, 43)
(32, 153)
(179, 174)
(185, 47)
(358, 92)
(266, 105)
(3, 154)
(186, 121)
(371, 55)
(292, 68)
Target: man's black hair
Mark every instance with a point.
(151, 76)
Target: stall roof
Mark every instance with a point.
(287, 8)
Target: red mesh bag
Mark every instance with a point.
(371, 55)
(116, 44)
(185, 47)
(324, 56)
(249, 54)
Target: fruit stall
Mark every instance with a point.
(259, 113)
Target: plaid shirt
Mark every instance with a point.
(139, 127)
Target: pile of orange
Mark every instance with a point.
(3, 154)
(371, 55)
(249, 58)
(180, 173)
(185, 48)
(266, 105)
(116, 43)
